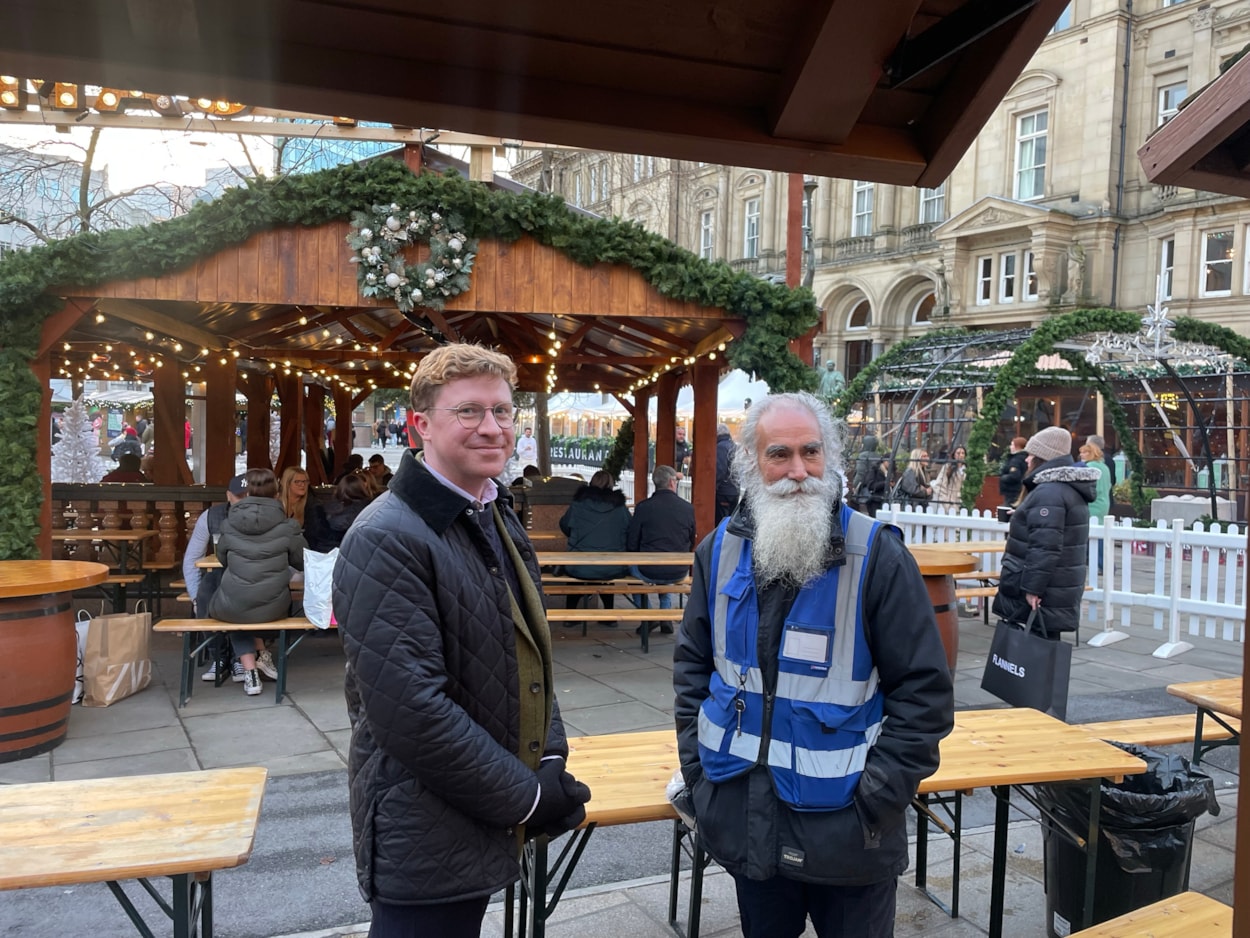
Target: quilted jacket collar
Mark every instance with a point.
(415, 486)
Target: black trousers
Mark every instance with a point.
(446, 920)
(779, 908)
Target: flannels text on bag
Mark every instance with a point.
(1027, 670)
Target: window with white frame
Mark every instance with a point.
(1170, 98)
(861, 209)
(751, 228)
(706, 234)
(637, 167)
(594, 182)
(1167, 264)
(1064, 21)
(985, 280)
(1030, 276)
(1031, 130)
(650, 166)
(577, 188)
(1172, 3)
(605, 181)
(861, 316)
(933, 205)
(1217, 263)
(1007, 278)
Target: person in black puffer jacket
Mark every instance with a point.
(1046, 560)
(330, 521)
(1011, 476)
(257, 547)
(457, 748)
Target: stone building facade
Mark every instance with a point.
(1049, 210)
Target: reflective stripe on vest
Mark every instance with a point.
(827, 711)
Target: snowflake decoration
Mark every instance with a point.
(1153, 343)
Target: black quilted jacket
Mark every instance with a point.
(432, 693)
(1047, 546)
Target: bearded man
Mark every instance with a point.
(812, 688)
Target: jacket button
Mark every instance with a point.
(494, 570)
(536, 688)
(533, 745)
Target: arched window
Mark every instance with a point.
(860, 316)
(924, 309)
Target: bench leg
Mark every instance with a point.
(280, 683)
(184, 689)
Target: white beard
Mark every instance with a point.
(793, 522)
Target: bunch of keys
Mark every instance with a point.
(740, 706)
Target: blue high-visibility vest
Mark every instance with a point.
(827, 711)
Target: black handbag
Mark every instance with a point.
(1025, 669)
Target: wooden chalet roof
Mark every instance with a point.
(887, 91)
(1207, 144)
(289, 296)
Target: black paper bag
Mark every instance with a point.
(1027, 670)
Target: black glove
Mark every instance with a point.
(560, 800)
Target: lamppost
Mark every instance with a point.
(809, 243)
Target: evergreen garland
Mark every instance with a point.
(773, 314)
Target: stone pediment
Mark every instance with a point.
(990, 214)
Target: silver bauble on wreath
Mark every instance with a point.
(393, 280)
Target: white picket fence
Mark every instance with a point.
(1193, 578)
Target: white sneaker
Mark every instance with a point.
(211, 673)
(251, 683)
(265, 665)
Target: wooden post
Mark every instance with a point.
(703, 460)
(258, 388)
(290, 416)
(219, 383)
(42, 368)
(344, 433)
(642, 441)
(169, 417)
(315, 433)
(665, 419)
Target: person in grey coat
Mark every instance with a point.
(1046, 561)
(257, 547)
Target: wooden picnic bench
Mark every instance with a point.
(1156, 731)
(1188, 915)
(1217, 700)
(211, 628)
(998, 749)
(184, 825)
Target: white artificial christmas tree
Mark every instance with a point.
(275, 437)
(76, 456)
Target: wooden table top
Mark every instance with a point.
(81, 534)
(1189, 915)
(1223, 696)
(939, 562)
(1019, 746)
(39, 577)
(969, 547)
(627, 772)
(59, 833)
(623, 558)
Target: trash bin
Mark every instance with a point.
(1147, 832)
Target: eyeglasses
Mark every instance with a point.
(472, 415)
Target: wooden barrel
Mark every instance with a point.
(38, 658)
(942, 594)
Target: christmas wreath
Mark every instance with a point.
(378, 239)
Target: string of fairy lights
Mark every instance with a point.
(93, 360)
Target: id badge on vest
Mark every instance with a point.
(807, 645)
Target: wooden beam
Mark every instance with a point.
(828, 79)
(219, 385)
(148, 318)
(1170, 156)
(665, 418)
(314, 423)
(440, 323)
(291, 414)
(259, 392)
(270, 322)
(56, 326)
(980, 77)
(169, 415)
(642, 444)
(344, 432)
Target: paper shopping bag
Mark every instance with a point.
(115, 658)
(1027, 670)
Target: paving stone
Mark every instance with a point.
(254, 737)
(108, 745)
(150, 763)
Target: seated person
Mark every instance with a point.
(380, 471)
(597, 520)
(128, 470)
(355, 463)
(257, 547)
(334, 517)
(664, 522)
(293, 493)
(201, 584)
